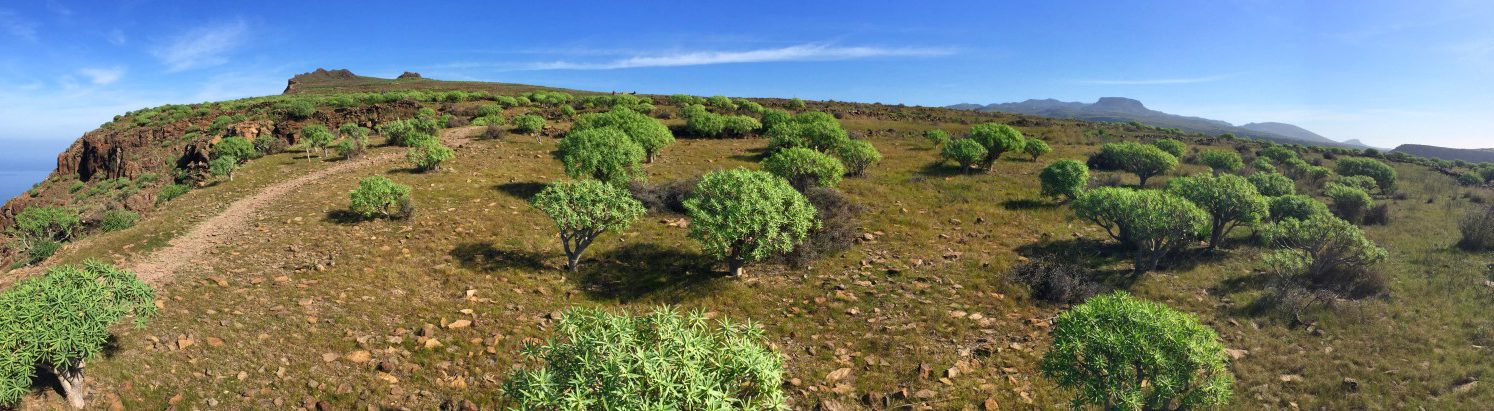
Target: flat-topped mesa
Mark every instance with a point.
(318, 75)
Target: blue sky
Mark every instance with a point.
(1385, 72)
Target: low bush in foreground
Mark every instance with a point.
(379, 196)
(1478, 231)
(1120, 352)
(1056, 281)
(1321, 259)
(804, 168)
(662, 360)
(1065, 179)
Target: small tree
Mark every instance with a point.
(429, 154)
(1383, 174)
(583, 210)
(355, 140)
(379, 196)
(1036, 148)
(743, 216)
(804, 168)
(650, 134)
(858, 155)
(1229, 199)
(1142, 160)
(1174, 147)
(1065, 179)
(1120, 352)
(812, 129)
(316, 137)
(702, 122)
(936, 137)
(1323, 258)
(236, 147)
(222, 167)
(965, 152)
(997, 139)
(529, 124)
(1272, 184)
(1221, 161)
(738, 126)
(1296, 206)
(605, 154)
(61, 320)
(1277, 154)
(1349, 203)
(1154, 223)
(661, 360)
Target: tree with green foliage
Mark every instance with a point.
(60, 321)
(224, 167)
(773, 117)
(661, 360)
(1470, 179)
(1154, 223)
(1229, 199)
(1143, 160)
(1349, 203)
(1364, 183)
(804, 168)
(1221, 161)
(1119, 352)
(605, 154)
(1296, 206)
(585, 209)
(1486, 170)
(721, 103)
(644, 130)
(811, 129)
(857, 156)
(1262, 165)
(316, 137)
(1272, 184)
(1278, 154)
(1383, 174)
(1174, 147)
(738, 126)
(996, 139)
(429, 154)
(39, 231)
(354, 140)
(380, 196)
(936, 137)
(1065, 179)
(702, 122)
(796, 104)
(1324, 256)
(529, 124)
(1036, 148)
(742, 216)
(965, 152)
(236, 147)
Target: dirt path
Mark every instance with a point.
(234, 221)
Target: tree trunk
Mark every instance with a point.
(648, 157)
(71, 378)
(1143, 180)
(1216, 236)
(734, 267)
(573, 260)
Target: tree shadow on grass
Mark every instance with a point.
(642, 270)
(46, 380)
(752, 155)
(486, 258)
(344, 217)
(521, 190)
(1027, 204)
(944, 169)
(1087, 252)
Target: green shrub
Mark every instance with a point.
(682, 100)
(46, 223)
(965, 152)
(1383, 174)
(380, 196)
(1174, 147)
(857, 155)
(115, 220)
(77, 185)
(298, 109)
(773, 117)
(936, 137)
(354, 140)
(236, 147)
(171, 192)
(528, 124)
(1120, 352)
(1229, 199)
(1323, 258)
(812, 129)
(316, 137)
(40, 250)
(703, 123)
(738, 126)
(804, 168)
(650, 134)
(1487, 172)
(1272, 184)
(585, 209)
(490, 110)
(1277, 154)
(222, 167)
(1262, 165)
(1365, 183)
(1154, 223)
(428, 155)
(1296, 206)
(1470, 179)
(1349, 203)
(1477, 230)
(1036, 148)
(662, 360)
(1064, 178)
(997, 139)
(61, 320)
(605, 154)
(1221, 161)
(1145, 161)
(743, 216)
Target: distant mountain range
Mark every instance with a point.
(1475, 155)
(1121, 109)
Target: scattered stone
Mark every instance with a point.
(183, 342)
(359, 356)
(1351, 384)
(329, 357)
(214, 342)
(389, 378)
(1236, 354)
(990, 405)
(1290, 378)
(838, 374)
(459, 324)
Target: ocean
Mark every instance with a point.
(15, 182)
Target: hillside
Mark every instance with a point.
(1120, 109)
(1483, 155)
(272, 295)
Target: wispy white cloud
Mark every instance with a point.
(801, 52)
(13, 24)
(204, 46)
(103, 76)
(1159, 81)
(116, 37)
